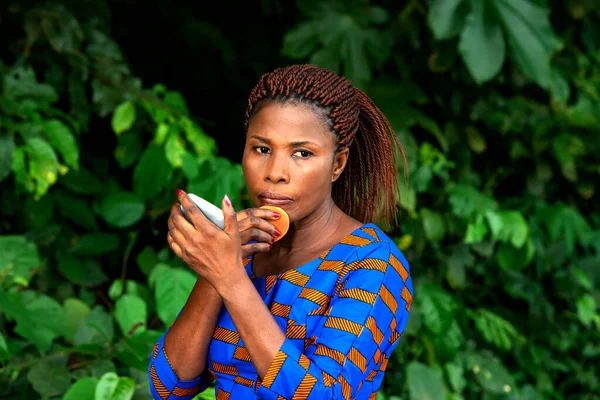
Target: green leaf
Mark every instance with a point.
(171, 293)
(490, 373)
(476, 140)
(436, 307)
(495, 329)
(147, 259)
(586, 309)
(134, 350)
(302, 40)
(122, 209)
(174, 149)
(446, 18)
(218, 177)
(434, 225)
(18, 259)
(190, 166)
(75, 311)
(82, 181)
(509, 227)
(425, 382)
(96, 244)
(131, 314)
(203, 145)
(531, 39)
(43, 164)
(476, 232)
(565, 222)
(123, 117)
(96, 328)
(83, 389)
(7, 148)
(152, 173)
(84, 272)
(456, 376)
(468, 202)
(25, 308)
(511, 258)
(458, 261)
(75, 209)
(21, 82)
(482, 43)
(49, 379)
(63, 140)
(128, 149)
(113, 387)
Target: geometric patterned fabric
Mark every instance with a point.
(343, 315)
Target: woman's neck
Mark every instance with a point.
(312, 233)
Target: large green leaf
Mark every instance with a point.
(49, 379)
(586, 309)
(123, 117)
(63, 140)
(113, 387)
(436, 307)
(152, 173)
(131, 314)
(75, 312)
(173, 288)
(76, 209)
(18, 258)
(531, 39)
(95, 244)
(83, 389)
(85, 272)
(122, 209)
(434, 225)
(508, 226)
(446, 18)
(128, 149)
(96, 328)
(218, 177)
(495, 329)
(482, 42)
(425, 382)
(489, 373)
(25, 308)
(7, 148)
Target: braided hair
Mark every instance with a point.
(367, 190)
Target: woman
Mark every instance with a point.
(318, 313)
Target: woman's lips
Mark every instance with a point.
(274, 202)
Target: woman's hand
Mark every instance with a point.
(214, 253)
(254, 226)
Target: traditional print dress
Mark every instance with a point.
(343, 315)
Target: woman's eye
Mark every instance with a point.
(304, 153)
(262, 149)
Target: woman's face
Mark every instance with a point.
(289, 160)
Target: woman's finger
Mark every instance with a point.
(173, 245)
(255, 234)
(262, 213)
(253, 248)
(254, 220)
(178, 222)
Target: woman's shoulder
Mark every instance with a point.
(371, 243)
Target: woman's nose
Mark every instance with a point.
(277, 170)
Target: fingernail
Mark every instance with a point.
(227, 201)
(270, 246)
(277, 233)
(179, 191)
(276, 214)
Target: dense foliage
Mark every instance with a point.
(496, 103)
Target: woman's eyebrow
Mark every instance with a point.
(292, 144)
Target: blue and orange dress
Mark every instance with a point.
(343, 315)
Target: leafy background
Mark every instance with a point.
(108, 107)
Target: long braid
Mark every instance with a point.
(368, 188)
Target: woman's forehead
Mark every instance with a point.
(288, 123)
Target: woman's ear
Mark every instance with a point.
(339, 163)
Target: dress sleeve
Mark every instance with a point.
(164, 383)
(357, 334)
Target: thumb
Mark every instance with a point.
(230, 217)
